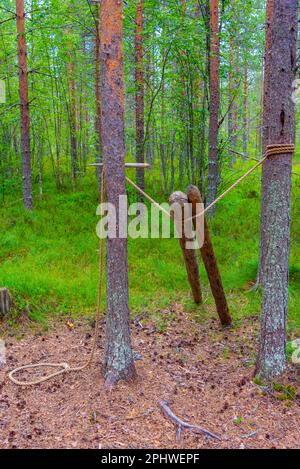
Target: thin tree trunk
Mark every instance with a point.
(118, 356)
(203, 138)
(39, 165)
(97, 94)
(236, 90)
(275, 220)
(162, 143)
(213, 163)
(139, 96)
(24, 106)
(231, 137)
(148, 101)
(73, 120)
(245, 99)
(72, 110)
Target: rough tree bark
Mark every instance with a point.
(139, 96)
(213, 163)
(118, 356)
(277, 176)
(24, 106)
(265, 125)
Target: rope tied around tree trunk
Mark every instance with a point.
(279, 149)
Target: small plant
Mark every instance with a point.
(238, 420)
(257, 380)
(284, 393)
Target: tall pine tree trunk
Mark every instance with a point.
(213, 163)
(97, 94)
(275, 218)
(139, 96)
(265, 124)
(24, 106)
(231, 104)
(118, 357)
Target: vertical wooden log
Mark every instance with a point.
(189, 255)
(5, 302)
(210, 262)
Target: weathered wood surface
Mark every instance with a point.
(189, 255)
(210, 262)
(5, 302)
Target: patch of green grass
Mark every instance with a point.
(49, 258)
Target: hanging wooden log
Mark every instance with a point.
(210, 261)
(189, 255)
(5, 302)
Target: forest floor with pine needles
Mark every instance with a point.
(202, 370)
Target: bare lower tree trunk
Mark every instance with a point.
(24, 106)
(275, 219)
(213, 163)
(139, 96)
(265, 124)
(118, 357)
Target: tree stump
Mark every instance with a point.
(5, 302)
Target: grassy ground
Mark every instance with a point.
(49, 258)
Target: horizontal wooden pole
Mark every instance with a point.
(127, 165)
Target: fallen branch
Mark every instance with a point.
(181, 425)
